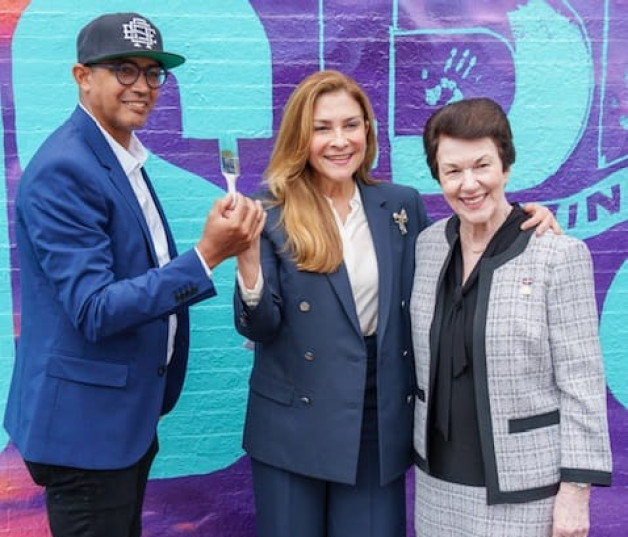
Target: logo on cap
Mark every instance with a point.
(140, 33)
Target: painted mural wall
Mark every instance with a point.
(560, 69)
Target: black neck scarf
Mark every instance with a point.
(456, 337)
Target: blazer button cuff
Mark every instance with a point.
(161, 370)
(305, 400)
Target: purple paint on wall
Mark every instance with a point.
(163, 136)
(416, 77)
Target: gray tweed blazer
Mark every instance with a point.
(539, 378)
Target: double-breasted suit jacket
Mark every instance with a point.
(307, 384)
(538, 373)
(91, 375)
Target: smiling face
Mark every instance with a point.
(338, 142)
(119, 109)
(473, 181)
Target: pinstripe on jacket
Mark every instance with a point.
(538, 372)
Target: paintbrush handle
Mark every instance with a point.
(231, 179)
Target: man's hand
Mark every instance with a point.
(542, 217)
(571, 511)
(231, 227)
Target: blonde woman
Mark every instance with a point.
(325, 299)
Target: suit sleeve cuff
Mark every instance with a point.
(578, 475)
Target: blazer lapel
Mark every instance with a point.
(379, 219)
(109, 161)
(340, 283)
(172, 248)
(379, 216)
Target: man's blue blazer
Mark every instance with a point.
(91, 378)
(307, 384)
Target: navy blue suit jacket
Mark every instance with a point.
(307, 384)
(90, 378)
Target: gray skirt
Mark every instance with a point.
(443, 509)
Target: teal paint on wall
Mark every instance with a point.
(559, 75)
(613, 325)
(7, 341)
(214, 395)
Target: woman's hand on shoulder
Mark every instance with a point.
(541, 217)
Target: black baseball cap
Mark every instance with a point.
(120, 35)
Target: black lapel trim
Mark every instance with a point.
(480, 372)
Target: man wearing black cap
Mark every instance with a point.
(104, 314)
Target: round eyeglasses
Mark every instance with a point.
(128, 73)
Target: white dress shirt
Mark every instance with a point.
(132, 161)
(360, 261)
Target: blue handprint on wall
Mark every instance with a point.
(434, 66)
(448, 89)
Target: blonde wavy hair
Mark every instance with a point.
(313, 239)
